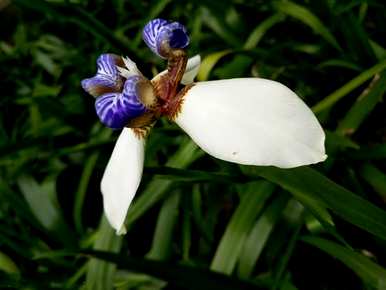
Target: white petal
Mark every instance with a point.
(191, 70)
(122, 177)
(130, 70)
(124, 72)
(252, 121)
(192, 67)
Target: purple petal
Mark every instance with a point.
(116, 109)
(159, 34)
(107, 78)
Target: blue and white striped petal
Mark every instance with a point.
(107, 78)
(160, 35)
(115, 110)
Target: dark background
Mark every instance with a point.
(53, 151)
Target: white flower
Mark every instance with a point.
(248, 121)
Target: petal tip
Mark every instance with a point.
(324, 157)
(122, 231)
(121, 178)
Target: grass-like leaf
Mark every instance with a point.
(306, 16)
(365, 268)
(231, 243)
(365, 103)
(334, 97)
(156, 189)
(100, 274)
(259, 235)
(163, 236)
(342, 202)
(43, 204)
(184, 277)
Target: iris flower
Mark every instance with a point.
(251, 121)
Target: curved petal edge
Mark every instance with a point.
(122, 177)
(252, 121)
(191, 71)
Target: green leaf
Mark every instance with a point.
(180, 276)
(43, 204)
(100, 274)
(344, 203)
(74, 14)
(8, 265)
(379, 51)
(220, 28)
(355, 38)
(315, 205)
(45, 60)
(161, 248)
(290, 247)
(260, 30)
(339, 63)
(334, 97)
(368, 270)
(336, 142)
(154, 12)
(307, 17)
(198, 216)
(186, 235)
(82, 189)
(88, 169)
(372, 152)
(258, 236)
(209, 62)
(375, 177)
(235, 68)
(364, 105)
(252, 202)
(189, 175)
(157, 189)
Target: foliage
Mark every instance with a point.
(197, 222)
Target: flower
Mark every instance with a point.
(160, 35)
(250, 121)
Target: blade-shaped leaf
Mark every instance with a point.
(42, 201)
(306, 16)
(100, 273)
(230, 247)
(156, 189)
(368, 270)
(184, 277)
(258, 236)
(209, 62)
(344, 203)
(163, 236)
(365, 103)
(375, 177)
(334, 97)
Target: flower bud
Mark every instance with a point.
(161, 35)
